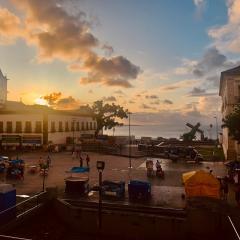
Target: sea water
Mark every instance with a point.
(155, 131)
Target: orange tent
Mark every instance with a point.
(202, 184)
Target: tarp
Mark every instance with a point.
(79, 169)
(202, 184)
(187, 175)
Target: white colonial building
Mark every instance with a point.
(3, 89)
(28, 125)
(230, 93)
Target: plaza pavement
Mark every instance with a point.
(166, 192)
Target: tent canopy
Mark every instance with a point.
(201, 184)
(187, 175)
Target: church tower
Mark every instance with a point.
(3, 89)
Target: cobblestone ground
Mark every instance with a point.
(166, 192)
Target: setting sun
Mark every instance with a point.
(40, 101)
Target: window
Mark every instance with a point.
(38, 127)
(86, 125)
(72, 126)
(18, 127)
(94, 126)
(77, 127)
(60, 126)
(82, 127)
(28, 127)
(53, 129)
(1, 127)
(90, 125)
(66, 127)
(9, 127)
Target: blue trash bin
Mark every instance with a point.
(139, 190)
(7, 200)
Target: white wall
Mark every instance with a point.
(23, 118)
(60, 137)
(3, 89)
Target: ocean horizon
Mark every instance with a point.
(155, 131)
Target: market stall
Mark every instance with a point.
(201, 184)
(78, 181)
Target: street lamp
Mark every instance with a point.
(129, 140)
(100, 168)
(73, 128)
(216, 129)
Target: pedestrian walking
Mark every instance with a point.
(80, 161)
(87, 160)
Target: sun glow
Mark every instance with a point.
(41, 101)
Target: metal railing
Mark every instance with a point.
(12, 237)
(27, 205)
(234, 228)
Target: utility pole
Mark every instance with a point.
(129, 140)
(216, 129)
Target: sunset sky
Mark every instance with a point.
(161, 59)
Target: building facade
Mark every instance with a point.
(230, 93)
(3, 89)
(36, 125)
(37, 128)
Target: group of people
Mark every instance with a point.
(45, 164)
(78, 154)
(159, 170)
(81, 161)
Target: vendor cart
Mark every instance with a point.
(78, 181)
(149, 166)
(15, 169)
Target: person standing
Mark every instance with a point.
(80, 161)
(48, 161)
(87, 160)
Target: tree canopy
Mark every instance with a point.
(232, 122)
(106, 115)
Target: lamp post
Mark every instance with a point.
(44, 177)
(216, 129)
(100, 168)
(129, 140)
(73, 129)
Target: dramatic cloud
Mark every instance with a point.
(167, 101)
(116, 71)
(68, 103)
(56, 101)
(9, 26)
(110, 99)
(52, 98)
(57, 34)
(211, 60)
(227, 37)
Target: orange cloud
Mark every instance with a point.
(59, 35)
(9, 26)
